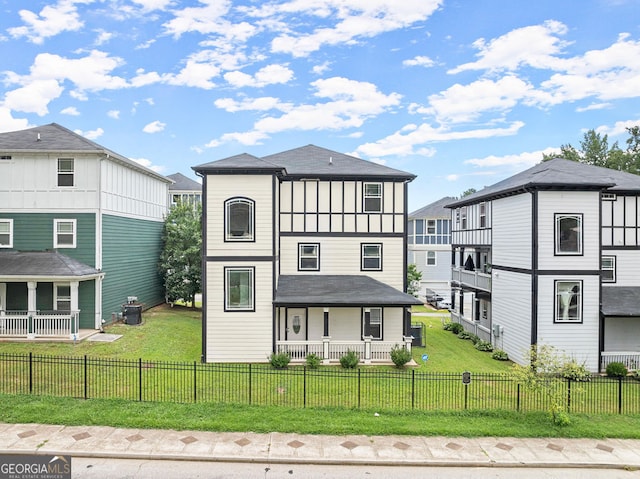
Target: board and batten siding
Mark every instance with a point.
(131, 251)
(342, 255)
(239, 336)
(511, 309)
(511, 231)
(577, 340)
(621, 221)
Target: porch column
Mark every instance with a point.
(367, 349)
(326, 322)
(408, 341)
(326, 339)
(74, 285)
(3, 298)
(31, 307)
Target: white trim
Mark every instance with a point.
(10, 222)
(366, 196)
(56, 222)
(3, 296)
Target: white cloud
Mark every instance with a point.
(322, 68)
(52, 20)
(252, 104)
(103, 37)
(519, 161)
(71, 110)
(91, 134)
(115, 114)
(421, 61)
(148, 164)
(34, 97)
(154, 127)
(149, 5)
(269, 75)
(619, 128)
(8, 123)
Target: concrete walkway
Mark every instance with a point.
(110, 442)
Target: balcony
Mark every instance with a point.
(38, 324)
(331, 351)
(473, 279)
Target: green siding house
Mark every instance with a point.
(80, 233)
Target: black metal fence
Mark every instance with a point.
(298, 386)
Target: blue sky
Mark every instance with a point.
(460, 93)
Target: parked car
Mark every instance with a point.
(443, 304)
(432, 297)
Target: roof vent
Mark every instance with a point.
(38, 137)
(331, 160)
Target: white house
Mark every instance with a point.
(550, 256)
(184, 190)
(429, 246)
(304, 252)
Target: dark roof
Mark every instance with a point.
(50, 264)
(182, 183)
(338, 290)
(621, 301)
(308, 161)
(56, 138)
(437, 209)
(557, 174)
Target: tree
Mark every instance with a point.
(413, 280)
(595, 150)
(468, 192)
(181, 257)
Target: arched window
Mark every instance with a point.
(239, 219)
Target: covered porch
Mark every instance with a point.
(40, 295)
(620, 326)
(329, 315)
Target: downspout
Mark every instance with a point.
(98, 260)
(534, 267)
(203, 280)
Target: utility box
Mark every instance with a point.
(497, 330)
(132, 313)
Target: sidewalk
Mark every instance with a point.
(110, 442)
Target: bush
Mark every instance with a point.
(484, 346)
(400, 356)
(616, 370)
(575, 372)
(464, 334)
(279, 360)
(474, 338)
(448, 326)
(349, 360)
(500, 355)
(313, 361)
(456, 328)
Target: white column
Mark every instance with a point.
(98, 303)
(407, 342)
(73, 286)
(367, 349)
(31, 307)
(3, 297)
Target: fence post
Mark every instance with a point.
(413, 389)
(518, 398)
(195, 379)
(304, 386)
(620, 395)
(30, 372)
(568, 395)
(249, 383)
(359, 371)
(140, 379)
(85, 377)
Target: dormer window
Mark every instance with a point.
(66, 172)
(239, 221)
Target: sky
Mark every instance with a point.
(461, 93)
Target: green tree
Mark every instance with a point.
(413, 280)
(468, 192)
(181, 257)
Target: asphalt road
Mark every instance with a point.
(90, 468)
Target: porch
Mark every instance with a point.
(40, 324)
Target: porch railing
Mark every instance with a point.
(475, 278)
(39, 324)
(630, 359)
(332, 351)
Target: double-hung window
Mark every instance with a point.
(463, 217)
(62, 299)
(372, 197)
(568, 301)
(66, 171)
(239, 289)
(64, 233)
(483, 215)
(239, 219)
(6, 233)
(608, 272)
(371, 257)
(372, 322)
(308, 257)
(431, 258)
(568, 234)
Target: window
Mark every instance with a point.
(6, 233)
(65, 171)
(371, 257)
(568, 234)
(431, 258)
(483, 215)
(239, 289)
(62, 299)
(64, 233)
(372, 197)
(568, 301)
(431, 227)
(372, 322)
(308, 257)
(608, 196)
(608, 272)
(463, 217)
(239, 219)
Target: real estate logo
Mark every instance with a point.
(32, 466)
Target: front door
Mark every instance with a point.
(296, 325)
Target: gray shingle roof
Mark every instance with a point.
(338, 290)
(436, 209)
(182, 183)
(50, 264)
(558, 174)
(621, 301)
(309, 160)
(56, 138)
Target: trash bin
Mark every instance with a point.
(416, 332)
(132, 313)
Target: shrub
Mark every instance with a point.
(313, 361)
(456, 328)
(484, 346)
(500, 355)
(464, 334)
(575, 372)
(349, 360)
(474, 338)
(279, 360)
(400, 356)
(448, 326)
(616, 370)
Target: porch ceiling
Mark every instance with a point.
(16, 265)
(621, 301)
(338, 290)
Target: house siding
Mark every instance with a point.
(621, 334)
(512, 229)
(627, 266)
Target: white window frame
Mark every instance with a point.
(374, 319)
(431, 227)
(463, 218)
(371, 196)
(483, 214)
(228, 304)
(74, 233)
(558, 219)
(57, 297)
(431, 255)
(9, 222)
(565, 298)
(363, 248)
(63, 172)
(249, 236)
(302, 255)
(609, 267)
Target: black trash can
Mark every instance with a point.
(132, 313)
(416, 332)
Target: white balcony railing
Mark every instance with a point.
(332, 351)
(475, 279)
(39, 324)
(629, 358)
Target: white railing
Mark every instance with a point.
(475, 279)
(39, 324)
(629, 358)
(299, 350)
(329, 350)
